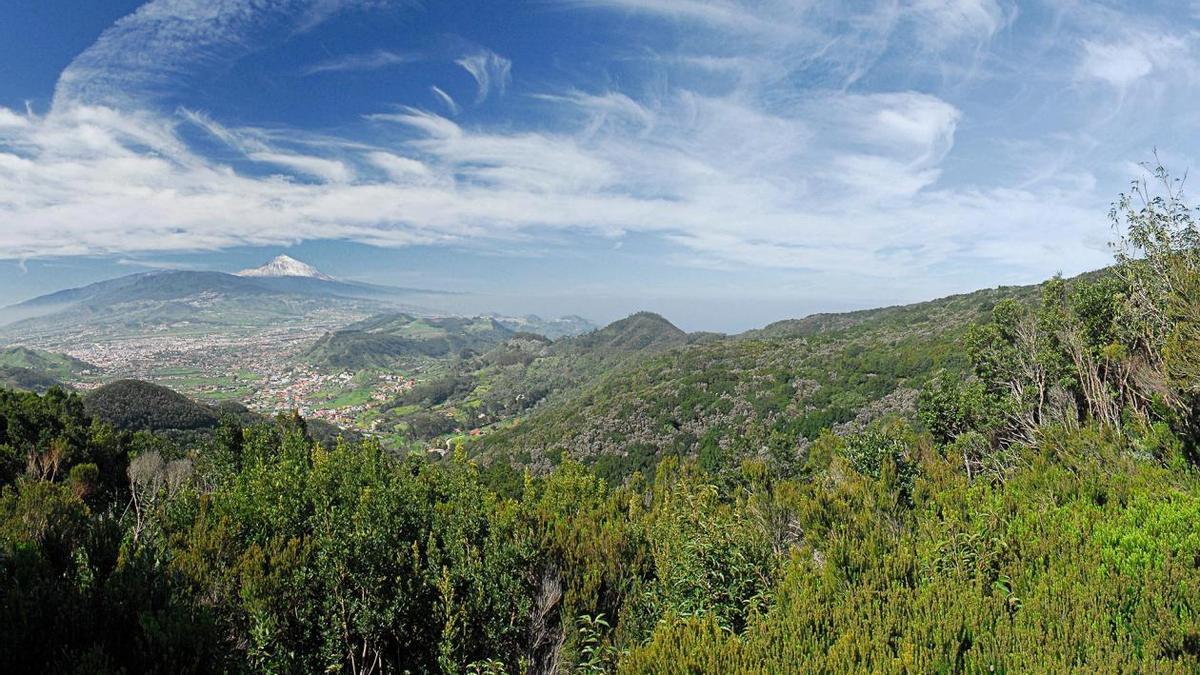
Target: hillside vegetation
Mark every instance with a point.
(137, 405)
(35, 370)
(765, 393)
(50, 364)
(387, 340)
(25, 379)
(1036, 513)
(523, 372)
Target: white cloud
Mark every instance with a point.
(1117, 64)
(608, 108)
(947, 20)
(918, 124)
(1121, 49)
(1122, 62)
(9, 118)
(427, 122)
(147, 53)
(375, 60)
(731, 183)
(400, 169)
(445, 98)
(727, 15)
(330, 171)
(491, 71)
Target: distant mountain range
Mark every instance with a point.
(617, 397)
(525, 372)
(554, 329)
(282, 289)
(270, 279)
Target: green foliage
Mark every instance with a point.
(279, 554)
(705, 563)
(767, 393)
(949, 406)
(885, 455)
(596, 653)
(383, 341)
(47, 436)
(132, 404)
(987, 577)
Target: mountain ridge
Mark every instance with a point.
(217, 298)
(384, 340)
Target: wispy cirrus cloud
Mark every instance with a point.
(948, 20)
(376, 60)
(1123, 61)
(148, 53)
(445, 99)
(327, 170)
(491, 72)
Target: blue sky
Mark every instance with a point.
(727, 163)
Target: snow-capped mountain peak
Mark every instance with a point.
(285, 266)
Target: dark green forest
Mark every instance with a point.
(1035, 509)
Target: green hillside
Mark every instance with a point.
(922, 317)
(136, 405)
(640, 388)
(59, 366)
(1038, 516)
(522, 373)
(25, 379)
(386, 340)
(636, 333)
(767, 392)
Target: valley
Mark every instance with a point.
(618, 398)
(280, 338)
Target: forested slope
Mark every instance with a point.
(26, 379)
(50, 364)
(765, 393)
(524, 372)
(388, 339)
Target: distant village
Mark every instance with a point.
(258, 369)
(300, 390)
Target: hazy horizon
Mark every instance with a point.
(724, 315)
